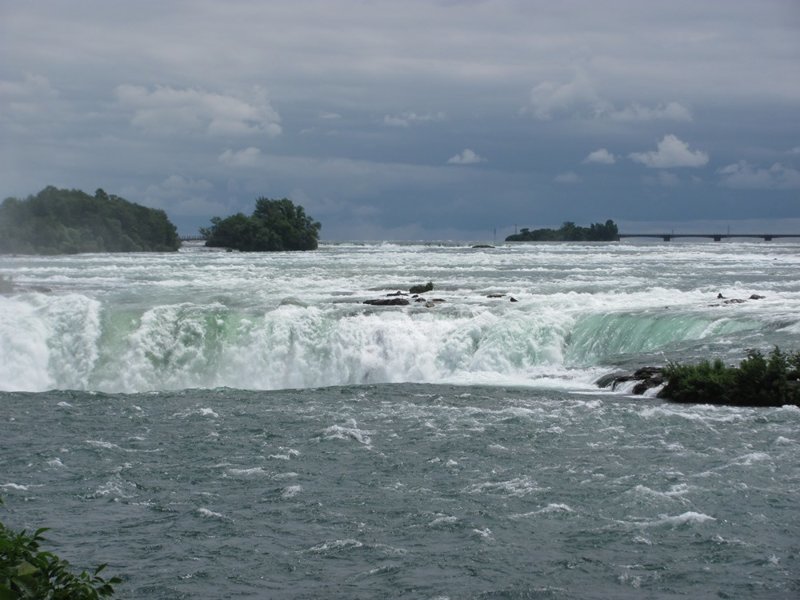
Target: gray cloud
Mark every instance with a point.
(200, 107)
(743, 175)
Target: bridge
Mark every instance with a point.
(717, 237)
(191, 238)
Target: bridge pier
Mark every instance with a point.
(667, 238)
(767, 238)
(717, 238)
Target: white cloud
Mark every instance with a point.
(171, 110)
(247, 157)
(568, 177)
(601, 156)
(672, 111)
(671, 152)
(746, 176)
(467, 157)
(329, 115)
(580, 98)
(407, 118)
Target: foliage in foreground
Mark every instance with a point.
(28, 572)
(275, 225)
(757, 381)
(569, 232)
(57, 221)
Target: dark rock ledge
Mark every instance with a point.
(646, 378)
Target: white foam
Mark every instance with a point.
(288, 455)
(248, 472)
(687, 518)
(291, 491)
(520, 486)
(443, 520)
(345, 544)
(210, 514)
(103, 444)
(675, 492)
(14, 486)
(552, 508)
(350, 432)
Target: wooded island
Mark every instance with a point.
(275, 225)
(569, 232)
(59, 221)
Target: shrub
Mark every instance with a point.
(757, 381)
(28, 572)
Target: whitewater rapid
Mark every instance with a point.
(202, 319)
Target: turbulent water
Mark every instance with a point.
(217, 424)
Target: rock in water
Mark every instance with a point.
(421, 289)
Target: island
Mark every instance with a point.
(569, 232)
(275, 225)
(61, 221)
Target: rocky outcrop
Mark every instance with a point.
(737, 300)
(421, 289)
(646, 378)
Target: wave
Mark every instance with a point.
(72, 341)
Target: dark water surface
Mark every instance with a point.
(408, 490)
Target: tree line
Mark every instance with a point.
(61, 221)
(569, 232)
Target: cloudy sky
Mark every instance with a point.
(434, 119)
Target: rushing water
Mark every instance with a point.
(218, 424)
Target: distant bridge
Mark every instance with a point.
(717, 237)
(191, 238)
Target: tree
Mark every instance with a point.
(569, 232)
(28, 572)
(275, 225)
(57, 221)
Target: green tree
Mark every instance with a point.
(274, 225)
(57, 221)
(757, 381)
(27, 572)
(569, 232)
